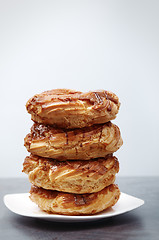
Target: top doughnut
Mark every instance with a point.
(65, 108)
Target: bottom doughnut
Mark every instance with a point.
(75, 204)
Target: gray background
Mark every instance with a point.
(83, 45)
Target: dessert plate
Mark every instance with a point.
(22, 205)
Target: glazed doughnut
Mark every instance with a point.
(71, 176)
(75, 204)
(82, 144)
(66, 108)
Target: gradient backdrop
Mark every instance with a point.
(83, 45)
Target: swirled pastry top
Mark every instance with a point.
(84, 144)
(66, 108)
(71, 176)
(75, 204)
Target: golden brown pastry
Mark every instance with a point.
(75, 204)
(66, 108)
(85, 143)
(71, 176)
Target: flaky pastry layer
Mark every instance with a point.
(66, 108)
(84, 144)
(71, 176)
(75, 204)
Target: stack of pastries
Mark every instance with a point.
(71, 143)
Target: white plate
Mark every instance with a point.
(22, 205)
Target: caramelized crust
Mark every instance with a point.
(75, 204)
(71, 176)
(84, 144)
(66, 108)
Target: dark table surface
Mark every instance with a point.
(141, 223)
